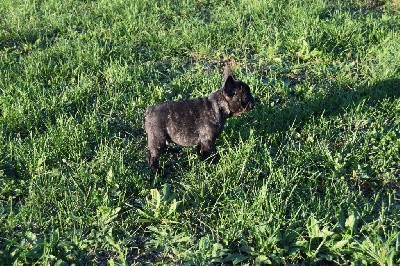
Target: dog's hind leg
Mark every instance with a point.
(156, 144)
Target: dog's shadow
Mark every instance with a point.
(270, 117)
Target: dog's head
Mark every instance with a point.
(236, 93)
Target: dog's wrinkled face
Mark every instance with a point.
(238, 96)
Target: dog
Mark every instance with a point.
(196, 121)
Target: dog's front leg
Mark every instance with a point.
(207, 150)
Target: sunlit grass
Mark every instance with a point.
(310, 175)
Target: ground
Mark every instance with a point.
(311, 175)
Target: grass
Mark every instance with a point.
(310, 176)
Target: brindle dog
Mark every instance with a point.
(195, 121)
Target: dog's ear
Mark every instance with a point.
(229, 86)
(227, 71)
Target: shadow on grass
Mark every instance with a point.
(295, 114)
(42, 39)
(281, 117)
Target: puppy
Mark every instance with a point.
(195, 121)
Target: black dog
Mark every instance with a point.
(195, 121)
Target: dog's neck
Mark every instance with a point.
(220, 105)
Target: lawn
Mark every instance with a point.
(311, 175)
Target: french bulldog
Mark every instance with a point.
(196, 121)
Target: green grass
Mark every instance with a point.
(310, 176)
